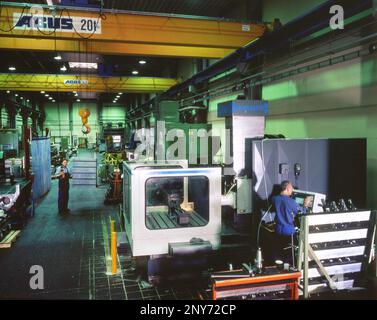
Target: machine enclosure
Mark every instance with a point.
(334, 167)
(146, 242)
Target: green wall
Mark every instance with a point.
(288, 9)
(336, 102)
(57, 118)
(114, 114)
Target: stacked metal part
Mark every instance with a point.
(84, 171)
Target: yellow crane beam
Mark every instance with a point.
(111, 48)
(69, 83)
(39, 28)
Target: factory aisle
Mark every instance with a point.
(72, 251)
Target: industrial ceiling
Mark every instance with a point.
(38, 62)
(209, 8)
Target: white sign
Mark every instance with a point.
(245, 27)
(45, 22)
(73, 81)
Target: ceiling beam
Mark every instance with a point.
(111, 48)
(83, 83)
(124, 33)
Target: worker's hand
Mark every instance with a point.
(308, 201)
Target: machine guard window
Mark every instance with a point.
(176, 202)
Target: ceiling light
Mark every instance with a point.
(42, 92)
(8, 91)
(142, 62)
(83, 65)
(135, 72)
(78, 100)
(53, 100)
(12, 68)
(114, 101)
(76, 95)
(63, 68)
(120, 93)
(16, 95)
(74, 91)
(21, 98)
(27, 100)
(50, 98)
(58, 57)
(47, 95)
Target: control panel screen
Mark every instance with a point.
(315, 203)
(300, 197)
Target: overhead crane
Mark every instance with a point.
(87, 83)
(45, 28)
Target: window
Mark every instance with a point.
(176, 202)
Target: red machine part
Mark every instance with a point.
(268, 282)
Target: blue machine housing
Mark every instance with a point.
(242, 108)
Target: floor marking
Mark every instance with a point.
(106, 247)
(107, 257)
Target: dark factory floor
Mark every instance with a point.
(74, 250)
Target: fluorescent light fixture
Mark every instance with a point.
(42, 92)
(12, 68)
(142, 62)
(78, 100)
(63, 68)
(135, 72)
(58, 57)
(83, 65)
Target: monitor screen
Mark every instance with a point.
(300, 197)
(299, 200)
(316, 199)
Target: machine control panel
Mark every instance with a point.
(316, 202)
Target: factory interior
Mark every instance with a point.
(188, 150)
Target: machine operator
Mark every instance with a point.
(286, 209)
(63, 175)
